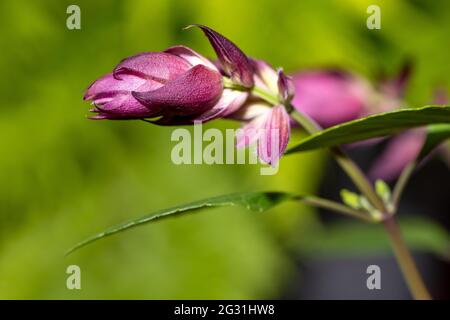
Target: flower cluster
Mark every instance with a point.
(179, 86)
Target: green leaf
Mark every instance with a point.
(351, 238)
(253, 201)
(436, 134)
(378, 125)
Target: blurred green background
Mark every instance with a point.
(63, 177)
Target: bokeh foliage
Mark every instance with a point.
(63, 177)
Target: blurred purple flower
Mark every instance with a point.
(398, 153)
(177, 86)
(401, 150)
(331, 97)
(405, 147)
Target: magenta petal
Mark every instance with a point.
(401, 150)
(234, 62)
(285, 87)
(230, 101)
(275, 136)
(190, 56)
(108, 84)
(250, 132)
(195, 91)
(157, 66)
(113, 97)
(250, 111)
(265, 76)
(330, 97)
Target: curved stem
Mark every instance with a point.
(401, 183)
(405, 261)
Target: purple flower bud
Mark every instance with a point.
(229, 102)
(270, 127)
(285, 87)
(195, 91)
(234, 62)
(331, 97)
(175, 83)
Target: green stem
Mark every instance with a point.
(358, 178)
(256, 91)
(306, 122)
(405, 261)
(261, 93)
(336, 207)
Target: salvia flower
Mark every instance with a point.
(179, 86)
(176, 86)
